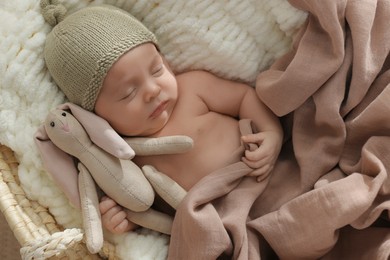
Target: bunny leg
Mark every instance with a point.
(151, 219)
(90, 211)
(168, 189)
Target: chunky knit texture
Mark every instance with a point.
(80, 49)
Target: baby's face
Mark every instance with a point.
(139, 93)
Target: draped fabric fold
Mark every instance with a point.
(329, 194)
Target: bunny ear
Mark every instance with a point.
(100, 132)
(59, 165)
(92, 222)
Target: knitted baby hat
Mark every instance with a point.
(82, 46)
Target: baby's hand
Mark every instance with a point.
(114, 217)
(264, 157)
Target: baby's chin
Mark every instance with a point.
(151, 132)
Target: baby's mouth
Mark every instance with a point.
(159, 109)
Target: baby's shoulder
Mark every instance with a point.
(194, 73)
(196, 78)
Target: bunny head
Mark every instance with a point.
(67, 133)
(64, 138)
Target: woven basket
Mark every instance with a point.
(33, 226)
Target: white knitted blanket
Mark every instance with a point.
(235, 39)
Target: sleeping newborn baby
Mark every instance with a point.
(107, 62)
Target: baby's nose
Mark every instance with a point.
(152, 91)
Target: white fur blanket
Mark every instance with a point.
(234, 39)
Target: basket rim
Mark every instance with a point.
(32, 223)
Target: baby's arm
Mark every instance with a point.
(240, 100)
(114, 217)
(269, 138)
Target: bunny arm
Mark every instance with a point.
(175, 144)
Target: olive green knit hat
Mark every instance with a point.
(82, 46)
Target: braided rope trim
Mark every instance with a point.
(53, 245)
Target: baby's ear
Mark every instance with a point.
(100, 132)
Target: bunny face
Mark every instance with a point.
(66, 132)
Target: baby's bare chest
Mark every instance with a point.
(216, 142)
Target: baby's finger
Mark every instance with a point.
(255, 164)
(106, 204)
(261, 171)
(253, 138)
(262, 177)
(120, 223)
(113, 218)
(121, 227)
(119, 216)
(256, 155)
(125, 226)
(112, 212)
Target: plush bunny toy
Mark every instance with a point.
(104, 158)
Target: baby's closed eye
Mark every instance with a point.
(158, 70)
(129, 94)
